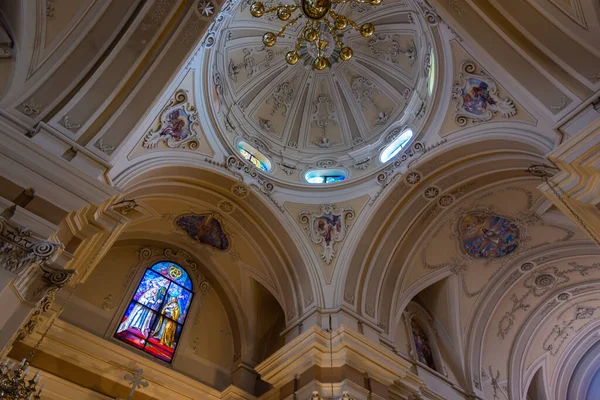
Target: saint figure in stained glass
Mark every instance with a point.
(422, 345)
(155, 317)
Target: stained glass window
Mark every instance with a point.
(251, 154)
(154, 319)
(424, 350)
(392, 149)
(325, 176)
(431, 81)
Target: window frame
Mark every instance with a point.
(128, 299)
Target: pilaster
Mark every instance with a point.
(342, 364)
(575, 190)
(28, 275)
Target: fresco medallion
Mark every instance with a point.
(489, 236)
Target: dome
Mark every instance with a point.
(303, 119)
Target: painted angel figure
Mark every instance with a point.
(175, 128)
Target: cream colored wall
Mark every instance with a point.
(205, 350)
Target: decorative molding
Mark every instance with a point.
(240, 191)
(387, 47)
(259, 183)
(446, 200)
(428, 11)
(19, 249)
(66, 122)
(226, 206)
(6, 42)
(538, 283)
(477, 98)
(413, 178)
(206, 8)
(50, 10)
(327, 227)
(150, 255)
(431, 192)
(36, 316)
(106, 149)
(30, 107)
(178, 126)
(288, 169)
(107, 302)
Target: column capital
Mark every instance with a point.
(19, 249)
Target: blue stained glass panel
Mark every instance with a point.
(136, 324)
(151, 290)
(177, 303)
(173, 272)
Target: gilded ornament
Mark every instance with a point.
(284, 13)
(292, 57)
(310, 35)
(316, 9)
(322, 26)
(367, 30)
(346, 54)
(341, 23)
(269, 39)
(320, 63)
(257, 9)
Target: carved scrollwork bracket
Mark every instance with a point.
(19, 249)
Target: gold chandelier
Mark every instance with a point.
(322, 27)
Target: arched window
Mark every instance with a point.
(431, 80)
(392, 149)
(422, 345)
(154, 319)
(257, 158)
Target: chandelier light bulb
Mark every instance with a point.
(320, 63)
(367, 30)
(311, 35)
(269, 39)
(284, 13)
(376, 2)
(346, 53)
(257, 9)
(292, 57)
(341, 23)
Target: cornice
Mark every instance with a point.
(348, 347)
(99, 356)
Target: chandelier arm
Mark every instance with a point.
(300, 38)
(272, 10)
(292, 22)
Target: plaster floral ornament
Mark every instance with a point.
(206, 8)
(203, 228)
(327, 227)
(477, 97)
(486, 235)
(178, 126)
